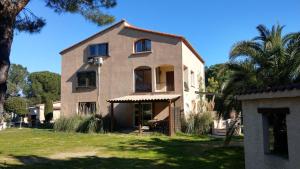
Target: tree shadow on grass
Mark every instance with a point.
(209, 154)
(91, 162)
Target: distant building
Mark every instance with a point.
(36, 113)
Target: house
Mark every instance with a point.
(36, 113)
(271, 127)
(134, 75)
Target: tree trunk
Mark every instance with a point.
(6, 38)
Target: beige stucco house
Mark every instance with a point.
(134, 75)
(271, 127)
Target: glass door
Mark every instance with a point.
(146, 113)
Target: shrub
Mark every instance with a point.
(91, 124)
(198, 123)
(16, 105)
(82, 124)
(67, 124)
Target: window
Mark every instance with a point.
(86, 108)
(99, 49)
(143, 80)
(275, 131)
(192, 79)
(185, 78)
(143, 45)
(86, 79)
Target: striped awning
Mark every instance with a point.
(145, 98)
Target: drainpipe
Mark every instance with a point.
(98, 61)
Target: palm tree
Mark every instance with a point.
(270, 59)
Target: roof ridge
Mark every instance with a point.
(92, 36)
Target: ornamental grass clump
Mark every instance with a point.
(91, 124)
(81, 124)
(198, 123)
(69, 124)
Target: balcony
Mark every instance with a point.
(164, 78)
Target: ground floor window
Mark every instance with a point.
(146, 113)
(86, 108)
(275, 131)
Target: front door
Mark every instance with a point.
(146, 113)
(170, 80)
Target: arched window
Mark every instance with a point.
(143, 45)
(143, 79)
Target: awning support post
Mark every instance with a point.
(111, 117)
(171, 130)
(140, 118)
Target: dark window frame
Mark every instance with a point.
(142, 85)
(96, 48)
(275, 131)
(88, 79)
(143, 45)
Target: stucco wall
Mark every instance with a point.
(117, 72)
(253, 129)
(193, 64)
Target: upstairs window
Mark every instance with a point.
(99, 49)
(143, 79)
(192, 79)
(143, 45)
(86, 79)
(185, 78)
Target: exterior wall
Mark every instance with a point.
(41, 112)
(190, 60)
(56, 110)
(254, 141)
(117, 71)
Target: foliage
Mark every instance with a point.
(65, 124)
(82, 124)
(48, 106)
(6, 117)
(17, 79)
(16, 105)
(27, 21)
(43, 87)
(91, 124)
(216, 79)
(268, 60)
(198, 123)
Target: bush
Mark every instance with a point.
(198, 123)
(67, 124)
(82, 124)
(91, 124)
(16, 105)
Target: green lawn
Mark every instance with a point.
(37, 148)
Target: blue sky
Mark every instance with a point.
(212, 26)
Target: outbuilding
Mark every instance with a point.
(272, 127)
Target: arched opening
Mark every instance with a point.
(143, 79)
(165, 78)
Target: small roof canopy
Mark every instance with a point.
(292, 90)
(145, 98)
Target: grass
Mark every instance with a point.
(37, 148)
